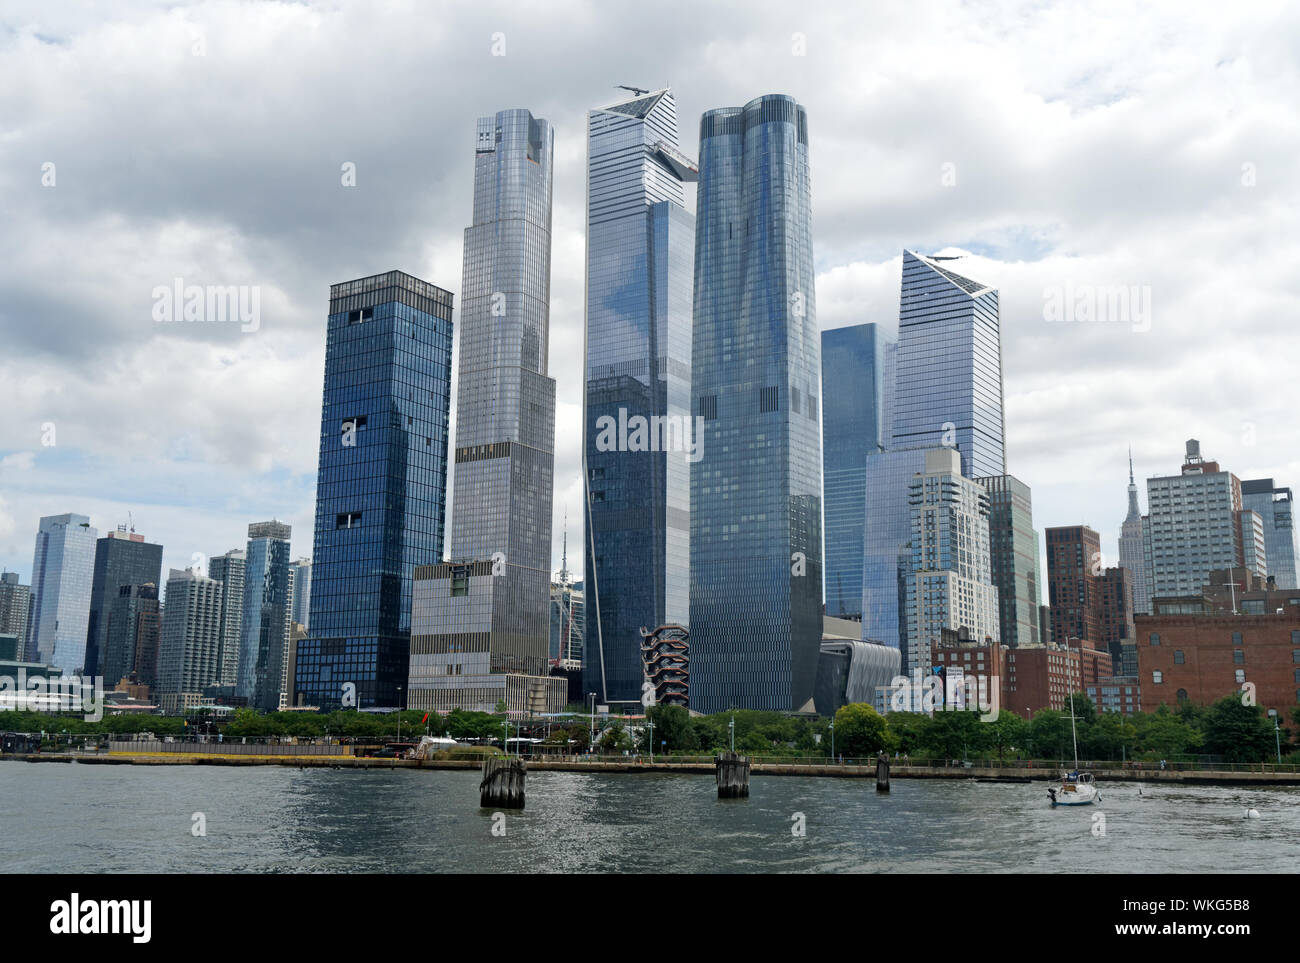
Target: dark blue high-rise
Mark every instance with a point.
(857, 364)
(381, 487)
(756, 541)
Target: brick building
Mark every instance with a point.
(1240, 630)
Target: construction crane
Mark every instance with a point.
(636, 91)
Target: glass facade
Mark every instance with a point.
(301, 608)
(756, 541)
(229, 570)
(381, 485)
(485, 615)
(640, 265)
(1013, 548)
(121, 558)
(1275, 506)
(62, 574)
(132, 640)
(886, 540)
(264, 632)
(949, 390)
(855, 424)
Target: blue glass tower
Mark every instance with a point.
(264, 627)
(856, 366)
(380, 491)
(756, 542)
(62, 578)
(640, 262)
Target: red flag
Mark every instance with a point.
(425, 719)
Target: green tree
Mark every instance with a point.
(860, 730)
(1238, 732)
(672, 726)
(1006, 732)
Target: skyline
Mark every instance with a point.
(1114, 170)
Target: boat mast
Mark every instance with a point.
(1074, 735)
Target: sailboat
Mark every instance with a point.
(1077, 788)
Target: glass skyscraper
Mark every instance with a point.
(481, 622)
(62, 575)
(121, 558)
(856, 367)
(756, 544)
(1013, 547)
(229, 570)
(381, 486)
(640, 264)
(1276, 507)
(949, 390)
(264, 635)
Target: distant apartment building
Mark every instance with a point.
(1091, 605)
(300, 609)
(1122, 694)
(122, 557)
(63, 569)
(15, 606)
(1276, 508)
(190, 639)
(264, 629)
(1236, 636)
(229, 569)
(950, 585)
(133, 630)
(1197, 523)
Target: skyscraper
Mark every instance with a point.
(131, 643)
(756, 541)
(1013, 547)
(381, 487)
(1073, 567)
(949, 389)
(62, 575)
(1275, 506)
(190, 639)
(480, 622)
(15, 605)
(950, 585)
(229, 570)
(121, 558)
(856, 367)
(1198, 525)
(264, 633)
(640, 254)
(1132, 551)
(301, 608)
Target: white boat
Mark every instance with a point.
(1077, 788)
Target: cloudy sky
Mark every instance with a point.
(1069, 149)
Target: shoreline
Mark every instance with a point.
(987, 774)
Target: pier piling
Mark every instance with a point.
(882, 773)
(502, 786)
(732, 772)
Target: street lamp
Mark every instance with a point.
(732, 726)
(652, 742)
(399, 713)
(832, 740)
(1277, 735)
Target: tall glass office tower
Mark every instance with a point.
(481, 622)
(380, 491)
(121, 558)
(640, 264)
(856, 367)
(62, 576)
(229, 570)
(1275, 506)
(949, 390)
(756, 558)
(947, 393)
(264, 637)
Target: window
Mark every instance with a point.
(1178, 656)
(1155, 638)
(1238, 657)
(1295, 655)
(768, 399)
(1241, 675)
(709, 407)
(1182, 695)
(1157, 676)
(459, 585)
(1236, 638)
(347, 520)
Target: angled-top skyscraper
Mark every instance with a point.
(640, 263)
(380, 491)
(756, 541)
(481, 622)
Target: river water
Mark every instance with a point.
(99, 818)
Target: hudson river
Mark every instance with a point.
(97, 818)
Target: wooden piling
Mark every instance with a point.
(502, 786)
(732, 773)
(882, 773)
